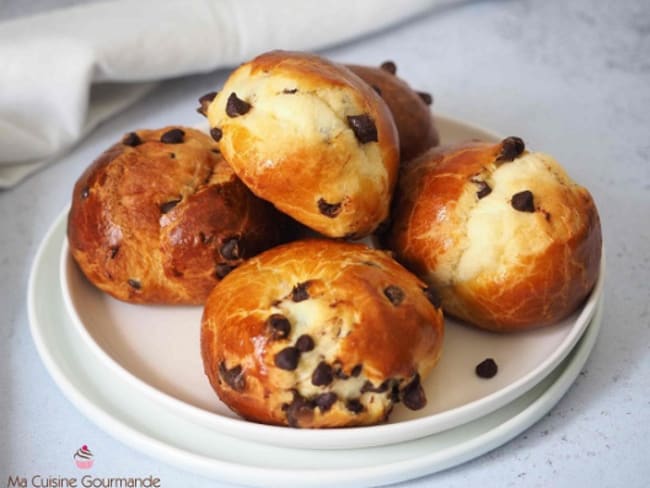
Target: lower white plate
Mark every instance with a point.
(121, 408)
(156, 349)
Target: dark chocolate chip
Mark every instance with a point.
(205, 101)
(279, 325)
(356, 371)
(172, 155)
(433, 297)
(230, 248)
(287, 358)
(523, 201)
(394, 392)
(325, 401)
(114, 251)
(377, 89)
(236, 106)
(389, 66)
(298, 409)
(322, 375)
(289, 91)
(222, 270)
(511, 149)
(172, 136)
(364, 128)
(167, 206)
(354, 405)
(131, 139)
(426, 97)
(135, 284)
(483, 189)
(413, 396)
(85, 192)
(395, 294)
(234, 377)
(216, 133)
(305, 343)
(300, 292)
(487, 368)
(339, 373)
(330, 210)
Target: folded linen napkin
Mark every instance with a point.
(63, 72)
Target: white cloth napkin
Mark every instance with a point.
(63, 72)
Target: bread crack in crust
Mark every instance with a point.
(324, 334)
(316, 141)
(505, 236)
(161, 218)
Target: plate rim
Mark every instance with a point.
(259, 476)
(357, 437)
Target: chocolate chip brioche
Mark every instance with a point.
(311, 137)
(410, 109)
(160, 218)
(320, 333)
(505, 236)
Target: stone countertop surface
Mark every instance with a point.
(572, 79)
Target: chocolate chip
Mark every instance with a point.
(433, 297)
(85, 192)
(339, 373)
(483, 189)
(394, 392)
(354, 405)
(298, 409)
(300, 292)
(135, 284)
(325, 401)
(216, 151)
(523, 201)
(131, 139)
(287, 358)
(205, 101)
(114, 251)
(389, 66)
(511, 148)
(216, 133)
(377, 89)
(305, 343)
(234, 377)
(322, 375)
(230, 248)
(236, 106)
(172, 136)
(356, 371)
(395, 294)
(222, 270)
(167, 206)
(364, 128)
(330, 210)
(279, 325)
(172, 155)
(289, 91)
(369, 387)
(426, 97)
(487, 368)
(413, 395)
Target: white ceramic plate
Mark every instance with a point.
(122, 408)
(156, 349)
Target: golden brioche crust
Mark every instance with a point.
(413, 118)
(504, 235)
(162, 222)
(311, 137)
(320, 333)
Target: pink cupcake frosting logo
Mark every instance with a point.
(83, 458)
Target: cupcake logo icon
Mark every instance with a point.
(83, 458)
